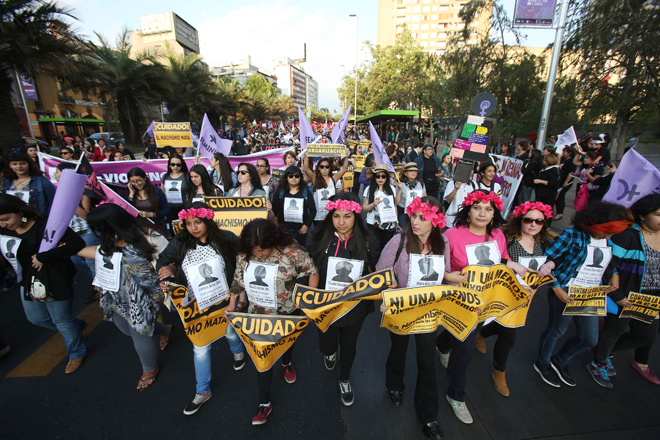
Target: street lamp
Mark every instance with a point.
(357, 52)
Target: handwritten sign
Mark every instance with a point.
(467, 129)
(477, 138)
(462, 144)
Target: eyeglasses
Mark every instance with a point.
(381, 176)
(243, 172)
(261, 166)
(293, 176)
(175, 164)
(529, 221)
(136, 181)
(324, 166)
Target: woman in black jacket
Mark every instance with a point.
(547, 181)
(293, 202)
(530, 171)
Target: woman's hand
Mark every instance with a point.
(36, 263)
(546, 268)
(455, 277)
(625, 302)
(197, 160)
(517, 268)
(131, 191)
(269, 206)
(232, 305)
(614, 284)
(383, 307)
(562, 295)
(145, 214)
(144, 159)
(168, 271)
(303, 229)
(376, 201)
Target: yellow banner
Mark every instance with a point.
(422, 309)
(645, 308)
(277, 174)
(202, 328)
(347, 178)
(588, 301)
(173, 134)
(359, 161)
(518, 317)
(232, 213)
(267, 337)
(326, 150)
(324, 307)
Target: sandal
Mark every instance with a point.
(148, 381)
(165, 340)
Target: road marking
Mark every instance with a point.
(49, 355)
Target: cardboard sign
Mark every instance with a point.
(173, 134)
(478, 138)
(588, 301)
(259, 279)
(478, 148)
(462, 144)
(467, 129)
(425, 270)
(457, 152)
(359, 162)
(326, 150)
(108, 271)
(645, 308)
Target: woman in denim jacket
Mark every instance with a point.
(24, 180)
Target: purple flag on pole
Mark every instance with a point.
(66, 201)
(337, 134)
(380, 155)
(115, 198)
(306, 131)
(635, 178)
(150, 129)
(210, 142)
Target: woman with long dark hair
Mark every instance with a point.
(487, 172)
(380, 192)
(530, 171)
(412, 186)
(447, 173)
(249, 183)
(23, 179)
(566, 169)
(341, 244)
(264, 242)
(201, 185)
(637, 260)
(293, 204)
(130, 295)
(46, 278)
(201, 241)
(578, 255)
(220, 168)
(324, 183)
(547, 181)
(268, 182)
(175, 184)
(148, 199)
(421, 249)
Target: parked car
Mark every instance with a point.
(112, 137)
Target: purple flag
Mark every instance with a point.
(380, 155)
(307, 135)
(210, 142)
(150, 129)
(635, 178)
(115, 198)
(66, 201)
(337, 134)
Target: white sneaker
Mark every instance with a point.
(444, 357)
(461, 411)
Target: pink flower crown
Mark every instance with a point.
(528, 206)
(480, 196)
(198, 212)
(344, 205)
(429, 213)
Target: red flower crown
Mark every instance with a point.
(429, 213)
(344, 205)
(196, 212)
(528, 206)
(480, 196)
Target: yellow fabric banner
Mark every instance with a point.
(359, 161)
(326, 150)
(267, 337)
(518, 317)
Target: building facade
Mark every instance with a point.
(162, 30)
(241, 71)
(311, 93)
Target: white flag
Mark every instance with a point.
(566, 138)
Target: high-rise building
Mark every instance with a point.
(164, 28)
(294, 82)
(241, 70)
(431, 22)
(311, 93)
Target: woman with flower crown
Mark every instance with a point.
(476, 222)
(198, 248)
(418, 249)
(526, 234)
(341, 245)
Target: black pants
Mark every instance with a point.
(432, 186)
(356, 184)
(506, 339)
(346, 338)
(461, 355)
(548, 200)
(560, 203)
(264, 379)
(613, 338)
(426, 388)
(382, 236)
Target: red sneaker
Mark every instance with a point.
(289, 373)
(648, 374)
(262, 414)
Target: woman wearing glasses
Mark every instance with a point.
(324, 183)
(268, 182)
(249, 183)
(148, 199)
(293, 204)
(175, 184)
(379, 202)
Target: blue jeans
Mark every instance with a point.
(586, 335)
(80, 262)
(202, 358)
(58, 315)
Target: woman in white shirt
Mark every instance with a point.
(379, 202)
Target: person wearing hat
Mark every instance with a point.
(412, 186)
(379, 188)
(430, 166)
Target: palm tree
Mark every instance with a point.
(35, 38)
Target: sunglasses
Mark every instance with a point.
(175, 164)
(293, 176)
(243, 172)
(529, 221)
(324, 166)
(381, 176)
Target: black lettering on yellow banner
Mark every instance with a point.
(518, 317)
(202, 328)
(326, 150)
(177, 226)
(588, 301)
(422, 309)
(359, 161)
(500, 289)
(645, 308)
(348, 177)
(267, 337)
(278, 174)
(232, 213)
(173, 134)
(324, 307)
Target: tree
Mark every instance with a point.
(35, 38)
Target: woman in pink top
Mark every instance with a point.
(476, 222)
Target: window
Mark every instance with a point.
(424, 36)
(426, 9)
(425, 27)
(415, 27)
(433, 35)
(432, 43)
(442, 34)
(414, 35)
(416, 8)
(443, 8)
(434, 17)
(441, 44)
(400, 19)
(423, 44)
(433, 26)
(408, 9)
(415, 18)
(434, 8)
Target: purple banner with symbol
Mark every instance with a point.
(635, 178)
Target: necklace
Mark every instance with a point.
(21, 182)
(649, 232)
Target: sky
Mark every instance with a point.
(265, 30)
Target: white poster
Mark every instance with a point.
(198, 199)
(172, 190)
(208, 282)
(386, 210)
(425, 270)
(342, 272)
(259, 279)
(511, 170)
(23, 195)
(9, 247)
(592, 270)
(483, 254)
(322, 197)
(410, 196)
(293, 210)
(108, 271)
(532, 263)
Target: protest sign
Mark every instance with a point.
(347, 178)
(232, 213)
(359, 161)
(324, 307)
(588, 301)
(115, 198)
(307, 135)
(202, 328)
(635, 178)
(268, 147)
(173, 134)
(267, 337)
(380, 155)
(518, 317)
(326, 150)
(645, 308)
(462, 144)
(277, 173)
(422, 309)
(511, 170)
(457, 153)
(108, 271)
